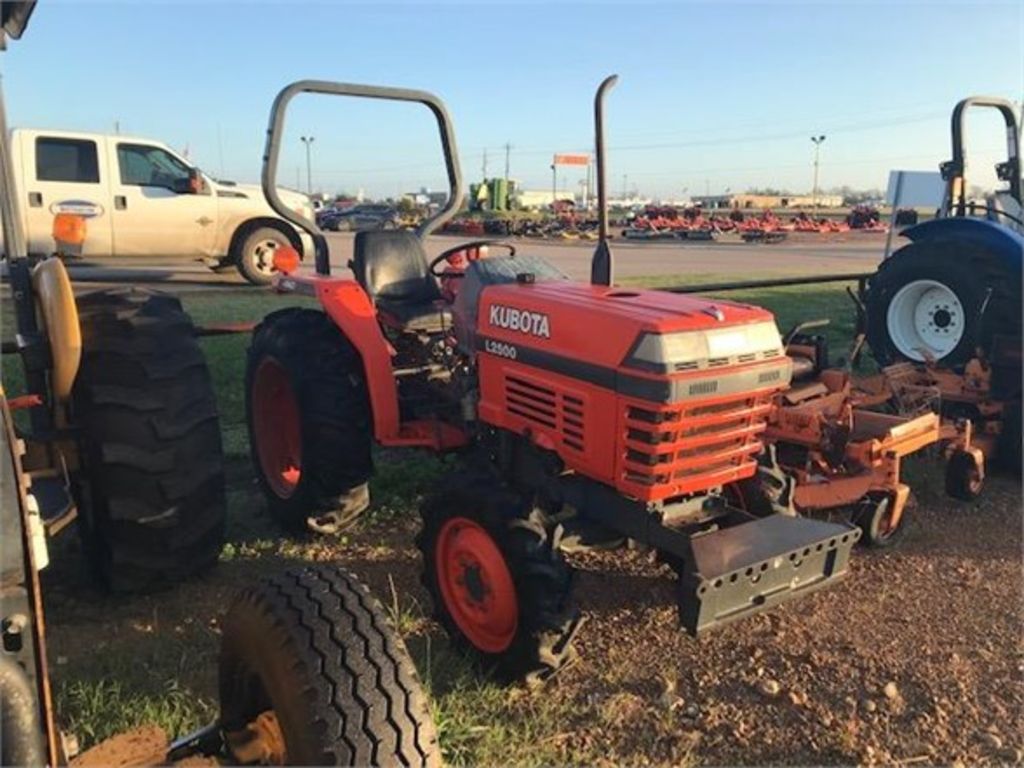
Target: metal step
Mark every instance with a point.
(737, 571)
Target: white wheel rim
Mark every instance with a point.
(925, 320)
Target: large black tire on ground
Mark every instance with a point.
(547, 618)
(255, 253)
(968, 271)
(151, 488)
(314, 646)
(323, 375)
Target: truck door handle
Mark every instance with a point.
(120, 202)
(35, 200)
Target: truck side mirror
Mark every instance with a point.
(191, 185)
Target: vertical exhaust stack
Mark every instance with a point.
(601, 267)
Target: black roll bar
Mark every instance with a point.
(272, 152)
(953, 170)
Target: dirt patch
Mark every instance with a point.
(143, 746)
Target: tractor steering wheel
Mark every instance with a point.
(468, 248)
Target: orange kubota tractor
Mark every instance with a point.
(582, 411)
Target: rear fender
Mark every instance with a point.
(1004, 242)
(347, 304)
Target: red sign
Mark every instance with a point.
(572, 160)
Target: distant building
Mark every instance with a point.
(426, 198)
(754, 202)
(537, 198)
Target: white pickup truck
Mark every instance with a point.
(141, 199)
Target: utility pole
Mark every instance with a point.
(508, 151)
(308, 141)
(554, 185)
(588, 195)
(485, 165)
(625, 186)
(817, 150)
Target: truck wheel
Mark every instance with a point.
(874, 517)
(499, 584)
(255, 258)
(311, 673)
(925, 301)
(151, 485)
(309, 419)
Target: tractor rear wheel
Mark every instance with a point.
(151, 487)
(927, 301)
(308, 415)
(499, 583)
(311, 673)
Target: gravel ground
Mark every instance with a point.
(915, 658)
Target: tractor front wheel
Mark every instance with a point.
(308, 415)
(498, 581)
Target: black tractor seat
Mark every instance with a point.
(392, 267)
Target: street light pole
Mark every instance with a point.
(308, 141)
(554, 185)
(817, 150)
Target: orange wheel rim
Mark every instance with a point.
(476, 585)
(276, 428)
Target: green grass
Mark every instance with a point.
(163, 671)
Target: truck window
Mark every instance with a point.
(148, 166)
(73, 160)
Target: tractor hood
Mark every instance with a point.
(644, 330)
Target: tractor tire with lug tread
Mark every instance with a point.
(962, 478)
(873, 517)
(959, 276)
(151, 487)
(256, 253)
(510, 606)
(313, 647)
(308, 414)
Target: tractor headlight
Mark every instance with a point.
(692, 350)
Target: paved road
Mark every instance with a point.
(808, 255)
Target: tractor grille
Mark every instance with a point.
(561, 414)
(673, 450)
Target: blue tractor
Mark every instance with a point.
(952, 295)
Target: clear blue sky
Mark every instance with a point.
(711, 96)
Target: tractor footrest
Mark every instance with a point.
(737, 571)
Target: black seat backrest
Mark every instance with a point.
(392, 266)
